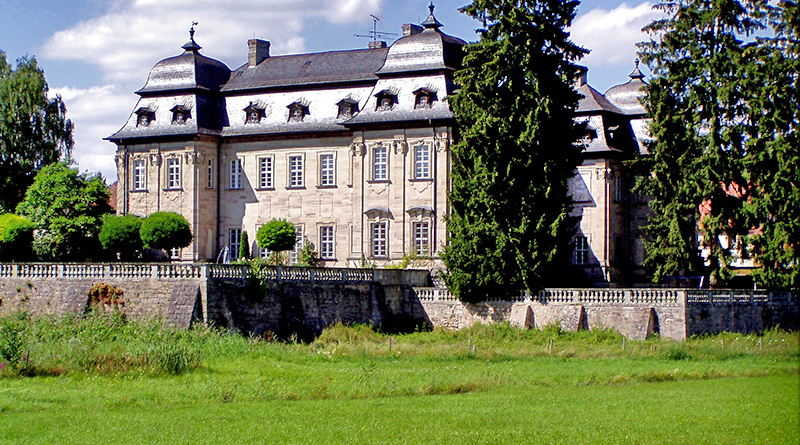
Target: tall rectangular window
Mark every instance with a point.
(296, 171)
(265, 173)
(326, 242)
(236, 174)
(139, 172)
(234, 241)
(174, 173)
(619, 188)
(581, 250)
(210, 174)
(326, 170)
(422, 238)
(380, 163)
(378, 239)
(422, 162)
(294, 254)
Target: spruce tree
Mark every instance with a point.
(698, 105)
(510, 225)
(772, 162)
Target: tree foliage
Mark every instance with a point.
(724, 156)
(244, 246)
(510, 224)
(16, 237)
(34, 130)
(120, 234)
(67, 209)
(166, 230)
(276, 235)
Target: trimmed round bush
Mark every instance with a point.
(120, 234)
(16, 238)
(165, 230)
(277, 235)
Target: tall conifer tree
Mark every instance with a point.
(698, 107)
(517, 149)
(773, 151)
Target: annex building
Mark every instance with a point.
(353, 148)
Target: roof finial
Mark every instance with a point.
(191, 45)
(431, 22)
(636, 74)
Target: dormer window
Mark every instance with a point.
(424, 98)
(254, 113)
(297, 112)
(386, 100)
(144, 117)
(180, 114)
(347, 108)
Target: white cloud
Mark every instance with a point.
(611, 35)
(126, 42)
(97, 112)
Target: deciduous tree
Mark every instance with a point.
(120, 234)
(510, 226)
(166, 230)
(34, 130)
(67, 209)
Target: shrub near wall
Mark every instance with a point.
(16, 237)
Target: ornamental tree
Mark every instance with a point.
(66, 208)
(166, 230)
(510, 227)
(120, 234)
(277, 235)
(244, 246)
(34, 130)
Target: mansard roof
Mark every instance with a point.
(302, 70)
(593, 102)
(429, 50)
(188, 71)
(627, 96)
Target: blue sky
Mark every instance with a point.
(95, 53)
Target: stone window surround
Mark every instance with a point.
(295, 171)
(234, 241)
(298, 110)
(145, 116)
(253, 113)
(139, 174)
(379, 160)
(236, 174)
(210, 174)
(294, 254)
(172, 172)
(582, 250)
(421, 237)
(327, 241)
(327, 176)
(379, 238)
(266, 172)
(347, 108)
(422, 168)
(424, 98)
(180, 114)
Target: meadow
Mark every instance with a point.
(101, 379)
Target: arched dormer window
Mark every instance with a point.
(254, 113)
(180, 114)
(297, 111)
(386, 100)
(347, 108)
(423, 98)
(144, 116)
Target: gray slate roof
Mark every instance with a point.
(309, 69)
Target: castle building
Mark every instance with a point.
(351, 147)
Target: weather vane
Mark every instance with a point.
(191, 30)
(375, 34)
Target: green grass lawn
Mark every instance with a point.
(353, 385)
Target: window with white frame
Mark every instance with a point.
(581, 256)
(175, 254)
(236, 174)
(210, 174)
(327, 170)
(326, 247)
(422, 238)
(139, 175)
(378, 239)
(265, 172)
(294, 254)
(173, 173)
(234, 241)
(380, 163)
(296, 171)
(422, 162)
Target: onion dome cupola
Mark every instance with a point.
(425, 48)
(181, 97)
(627, 96)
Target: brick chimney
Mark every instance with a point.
(259, 51)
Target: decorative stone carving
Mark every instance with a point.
(400, 145)
(193, 157)
(155, 159)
